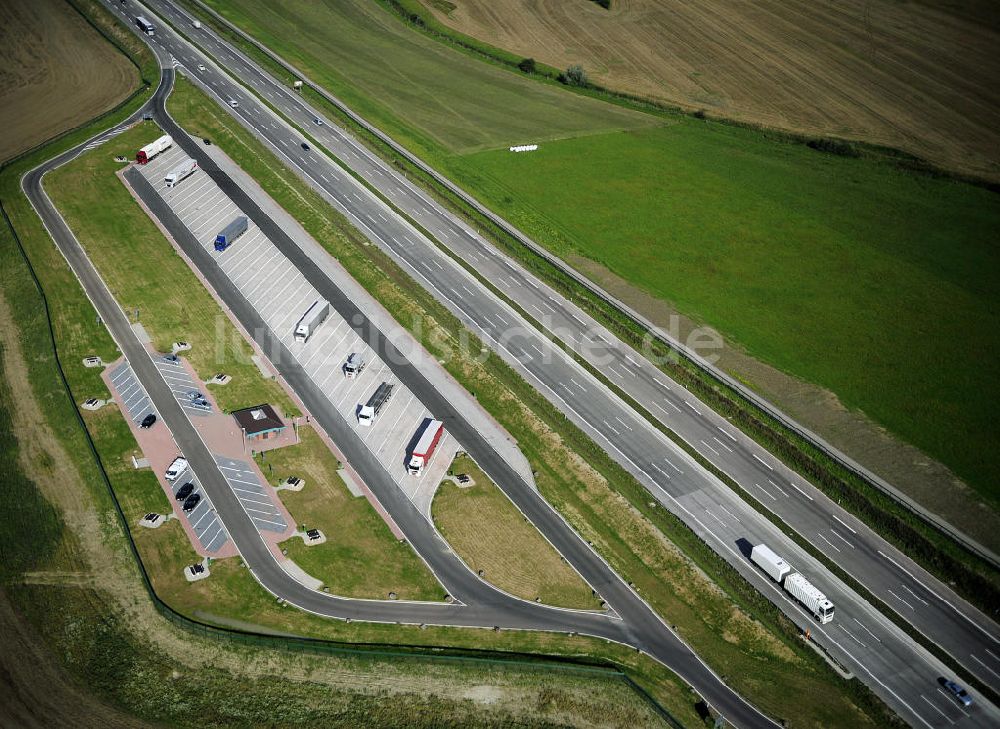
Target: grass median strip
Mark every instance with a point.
(496, 541)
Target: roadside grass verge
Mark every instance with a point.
(972, 577)
(361, 557)
(495, 540)
(146, 274)
(599, 498)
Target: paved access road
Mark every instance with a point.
(479, 604)
(725, 522)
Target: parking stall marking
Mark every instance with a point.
(256, 499)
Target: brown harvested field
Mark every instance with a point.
(56, 71)
(919, 76)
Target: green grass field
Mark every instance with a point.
(873, 282)
(450, 99)
(488, 532)
(849, 273)
(361, 557)
(144, 272)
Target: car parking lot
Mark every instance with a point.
(203, 520)
(183, 385)
(256, 498)
(135, 403)
(281, 294)
(204, 525)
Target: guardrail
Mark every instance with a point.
(690, 355)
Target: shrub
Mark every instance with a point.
(527, 65)
(574, 76)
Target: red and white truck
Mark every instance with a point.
(423, 451)
(153, 148)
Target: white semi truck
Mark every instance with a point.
(315, 315)
(354, 365)
(370, 410)
(153, 148)
(181, 172)
(795, 584)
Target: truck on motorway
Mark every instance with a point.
(310, 321)
(423, 451)
(236, 228)
(354, 365)
(153, 148)
(180, 172)
(370, 410)
(794, 583)
(144, 25)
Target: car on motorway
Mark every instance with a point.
(305, 146)
(176, 468)
(147, 422)
(191, 502)
(233, 103)
(960, 694)
(184, 491)
(317, 121)
(201, 66)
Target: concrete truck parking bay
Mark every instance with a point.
(281, 295)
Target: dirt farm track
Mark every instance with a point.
(920, 76)
(56, 71)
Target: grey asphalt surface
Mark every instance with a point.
(480, 604)
(710, 508)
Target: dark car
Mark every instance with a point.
(191, 501)
(960, 694)
(184, 491)
(305, 146)
(147, 422)
(171, 358)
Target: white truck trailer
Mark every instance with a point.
(153, 148)
(180, 172)
(315, 315)
(775, 567)
(795, 584)
(370, 410)
(809, 596)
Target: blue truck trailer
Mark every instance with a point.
(230, 233)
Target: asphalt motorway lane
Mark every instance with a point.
(929, 605)
(480, 605)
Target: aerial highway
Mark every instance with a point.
(897, 669)
(475, 603)
(932, 607)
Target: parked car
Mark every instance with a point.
(173, 358)
(960, 694)
(191, 501)
(176, 468)
(184, 491)
(147, 422)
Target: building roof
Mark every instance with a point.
(258, 419)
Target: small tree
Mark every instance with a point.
(527, 65)
(576, 76)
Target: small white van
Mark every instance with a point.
(176, 468)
